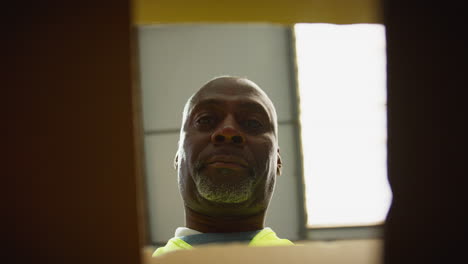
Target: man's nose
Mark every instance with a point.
(227, 134)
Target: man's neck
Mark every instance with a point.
(223, 224)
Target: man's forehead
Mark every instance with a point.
(242, 92)
(225, 103)
(230, 86)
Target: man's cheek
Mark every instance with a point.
(266, 148)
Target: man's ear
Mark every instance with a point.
(176, 160)
(279, 164)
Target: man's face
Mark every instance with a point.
(228, 153)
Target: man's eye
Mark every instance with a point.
(205, 120)
(252, 124)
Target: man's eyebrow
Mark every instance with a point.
(207, 103)
(251, 106)
(255, 107)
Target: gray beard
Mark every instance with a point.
(228, 193)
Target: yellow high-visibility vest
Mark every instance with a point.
(266, 237)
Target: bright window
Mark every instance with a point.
(342, 87)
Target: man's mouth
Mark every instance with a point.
(227, 161)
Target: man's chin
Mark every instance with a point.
(225, 201)
(226, 194)
(232, 192)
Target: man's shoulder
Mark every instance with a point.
(173, 244)
(268, 237)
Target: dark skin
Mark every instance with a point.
(228, 157)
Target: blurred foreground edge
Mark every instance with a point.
(356, 251)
